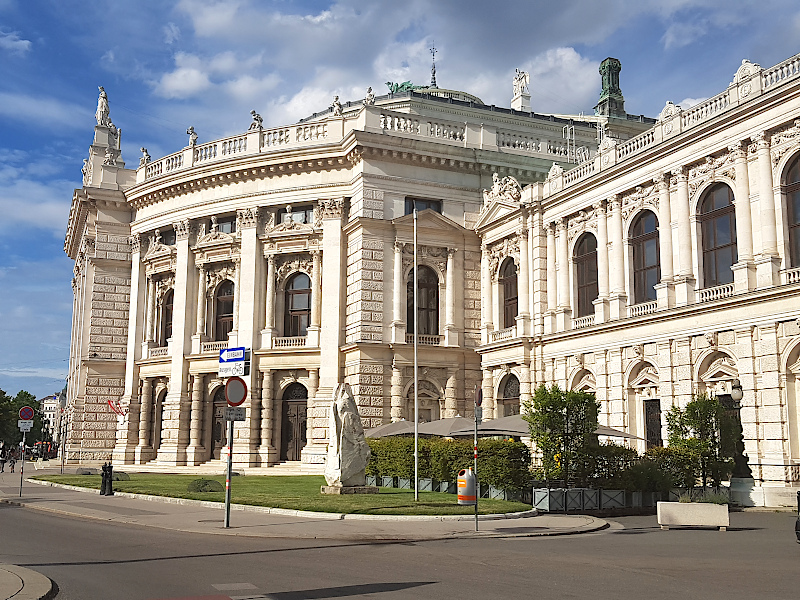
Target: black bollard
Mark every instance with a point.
(104, 479)
(797, 522)
(110, 481)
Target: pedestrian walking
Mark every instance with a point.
(12, 458)
(3, 456)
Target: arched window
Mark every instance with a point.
(646, 263)
(427, 302)
(792, 190)
(508, 402)
(586, 272)
(223, 311)
(718, 230)
(298, 305)
(508, 281)
(166, 317)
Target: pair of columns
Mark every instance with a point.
(399, 290)
(399, 400)
(316, 301)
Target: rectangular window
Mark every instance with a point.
(422, 204)
(297, 214)
(226, 225)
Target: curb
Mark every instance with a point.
(19, 583)
(293, 513)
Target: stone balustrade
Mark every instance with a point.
(424, 340)
(791, 276)
(158, 352)
(715, 293)
(502, 334)
(581, 322)
(644, 308)
(289, 342)
(211, 347)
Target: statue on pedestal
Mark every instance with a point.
(348, 452)
(102, 109)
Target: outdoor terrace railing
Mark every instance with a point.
(502, 334)
(791, 276)
(158, 352)
(209, 347)
(581, 322)
(424, 340)
(645, 308)
(289, 342)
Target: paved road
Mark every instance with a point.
(757, 558)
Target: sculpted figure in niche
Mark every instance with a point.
(102, 108)
(348, 452)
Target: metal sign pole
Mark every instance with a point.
(228, 478)
(475, 460)
(22, 466)
(416, 365)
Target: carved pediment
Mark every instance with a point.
(586, 383)
(496, 210)
(507, 189)
(647, 377)
(722, 369)
(214, 237)
(429, 219)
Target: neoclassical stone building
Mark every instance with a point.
(296, 243)
(642, 259)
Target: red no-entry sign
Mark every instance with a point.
(235, 391)
(26, 413)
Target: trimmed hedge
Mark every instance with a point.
(204, 485)
(501, 464)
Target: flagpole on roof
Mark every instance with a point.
(416, 368)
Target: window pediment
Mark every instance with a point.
(722, 369)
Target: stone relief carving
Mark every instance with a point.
(507, 188)
(157, 246)
(719, 166)
(86, 170)
(164, 284)
(182, 229)
(667, 115)
(331, 208)
(432, 255)
(783, 140)
(641, 197)
(583, 221)
(217, 274)
(745, 71)
(111, 156)
(285, 265)
(555, 171)
(507, 247)
(247, 218)
(711, 338)
(215, 235)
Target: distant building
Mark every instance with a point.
(543, 258)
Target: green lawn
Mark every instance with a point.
(297, 493)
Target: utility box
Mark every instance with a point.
(466, 487)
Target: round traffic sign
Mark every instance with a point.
(235, 391)
(26, 413)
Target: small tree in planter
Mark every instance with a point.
(562, 426)
(701, 430)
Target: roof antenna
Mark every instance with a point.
(433, 65)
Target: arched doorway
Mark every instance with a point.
(157, 418)
(219, 434)
(293, 421)
(429, 402)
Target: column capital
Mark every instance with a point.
(451, 252)
(681, 172)
(599, 207)
(181, 229)
(615, 202)
(331, 208)
(762, 139)
(271, 260)
(135, 242)
(247, 218)
(661, 181)
(562, 224)
(398, 246)
(738, 149)
(316, 254)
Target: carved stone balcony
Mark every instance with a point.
(791, 276)
(644, 308)
(715, 293)
(289, 342)
(581, 322)
(424, 340)
(502, 334)
(159, 352)
(212, 347)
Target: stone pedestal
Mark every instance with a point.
(339, 490)
(618, 306)
(601, 311)
(665, 295)
(684, 290)
(744, 277)
(768, 271)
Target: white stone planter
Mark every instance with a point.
(692, 514)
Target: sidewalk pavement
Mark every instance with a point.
(207, 517)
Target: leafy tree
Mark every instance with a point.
(562, 426)
(9, 415)
(703, 431)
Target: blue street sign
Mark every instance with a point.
(229, 355)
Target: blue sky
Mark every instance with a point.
(168, 65)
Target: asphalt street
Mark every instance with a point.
(89, 559)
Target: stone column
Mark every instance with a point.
(151, 308)
(450, 400)
(312, 340)
(768, 264)
(144, 451)
(313, 386)
(195, 452)
(685, 280)
(486, 296)
(552, 288)
(237, 292)
(524, 386)
(617, 301)
(488, 395)
(601, 313)
(267, 452)
(744, 272)
(398, 297)
(523, 270)
(450, 332)
(397, 408)
(200, 331)
(665, 289)
(269, 318)
(564, 317)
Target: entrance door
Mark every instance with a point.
(293, 422)
(219, 432)
(652, 422)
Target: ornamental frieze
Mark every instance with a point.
(247, 218)
(580, 223)
(285, 265)
(164, 284)
(644, 196)
(784, 140)
(331, 208)
(711, 167)
(217, 274)
(499, 251)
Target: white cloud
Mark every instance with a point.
(690, 102)
(43, 111)
(186, 80)
(252, 88)
(172, 33)
(13, 43)
(679, 35)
